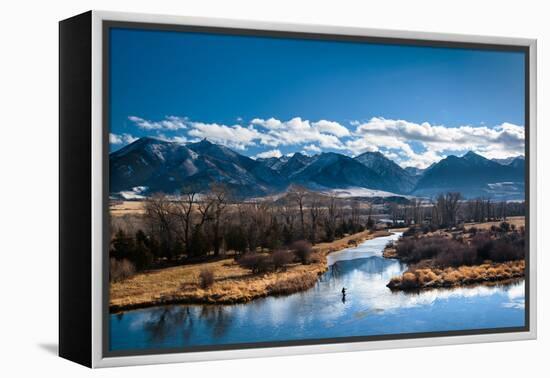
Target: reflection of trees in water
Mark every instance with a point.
(373, 266)
(333, 279)
(166, 321)
(217, 319)
(334, 271)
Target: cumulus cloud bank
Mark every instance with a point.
(270, 154)
(408, 143)
(121, 138)
(171, 123)
(397, 135)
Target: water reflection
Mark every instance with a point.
(163, 321)
(367, 308)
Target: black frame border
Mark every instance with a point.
(107, 25)
(75, 189)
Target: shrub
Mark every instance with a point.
(411, 231)
(457, 255)
(506, 250)
(405, 248)
(235, 239)
(281, 258)
(414, 250)
(256, 262)
(505, 226)
(199, 245)
(141, 256)
(120, 269)
(136, 250)
(429, 228)
(122, 245)
(483, 244)
(206, 278)
(409, 281)
(445, 252)
(249, 261)
(302, 250)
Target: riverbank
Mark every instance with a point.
(232, 283)
(484, 253)
(430, 278)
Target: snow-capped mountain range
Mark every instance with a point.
(155, 165)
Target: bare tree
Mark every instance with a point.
(288, 216)
(315, 212)
(158, 214)
(452, 206)
(331, 219)
(183, 211)
(445, 208)
(355, 207)
(298, 195)
(218, 198)
(394, 212)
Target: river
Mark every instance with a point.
(369, 308)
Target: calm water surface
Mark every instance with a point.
(370, 308)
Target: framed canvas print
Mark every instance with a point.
(234, 189)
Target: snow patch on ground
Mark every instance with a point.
(363, 192)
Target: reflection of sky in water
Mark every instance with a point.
(370, 309)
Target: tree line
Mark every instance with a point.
(450, 209)
(198, 225)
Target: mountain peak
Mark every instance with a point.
(372, 153)
(204, 142)
(148, 139)
(472, 154)
(476, 158)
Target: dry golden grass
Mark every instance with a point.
(232, 284)
(120, 208)
(390, 253)
(416, 279)
(517, 221)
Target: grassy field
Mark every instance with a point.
(425, 275)
(232, 283)
(121, 208)
(517, 221)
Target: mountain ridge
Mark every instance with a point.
(165, 166)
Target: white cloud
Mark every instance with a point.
(297, 131)
(121, 138)
(330, 127)
(271, 123)
(171, 123)
(501, 141)
(395, 138)
(177, 139)
(269, 154)
(236, 136)
(312, 148)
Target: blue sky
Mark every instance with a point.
(271, 96)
